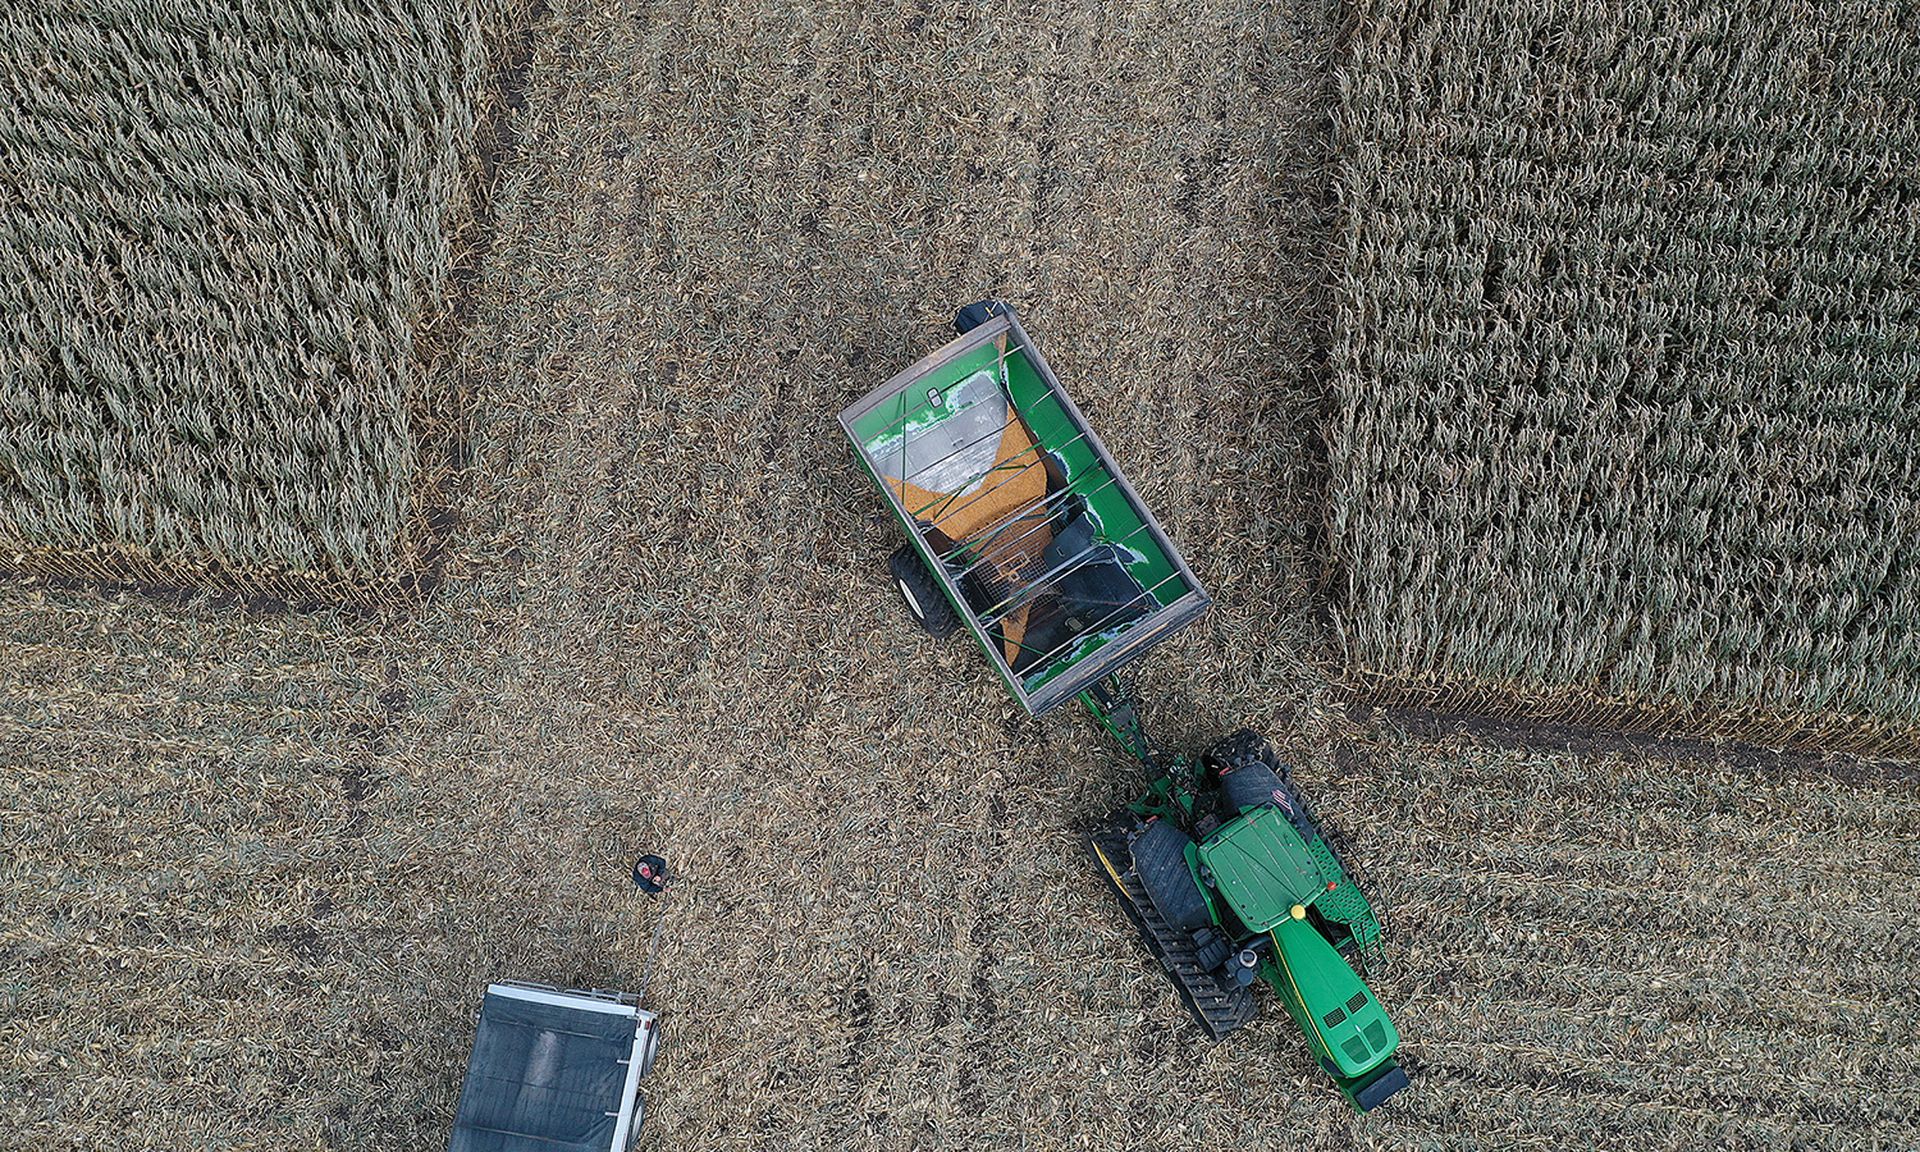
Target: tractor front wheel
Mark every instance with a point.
(926, 603)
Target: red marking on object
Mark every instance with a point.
(1332, 884)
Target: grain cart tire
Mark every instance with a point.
(926, 603)
(976, 314)
(1160, 858)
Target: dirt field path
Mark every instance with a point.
(255, 870)
(729, 225)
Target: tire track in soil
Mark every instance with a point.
(965, 1035)
(1712, 1101)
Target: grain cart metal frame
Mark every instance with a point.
(1020, 520)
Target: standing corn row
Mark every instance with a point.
(227, 226)
(1628, 364)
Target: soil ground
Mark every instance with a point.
(258, 867)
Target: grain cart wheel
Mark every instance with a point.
(976, 314)
(926, 603)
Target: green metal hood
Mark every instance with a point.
(1262, 868)
(1331, 1001)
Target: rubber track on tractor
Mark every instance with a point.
(1219, 1009)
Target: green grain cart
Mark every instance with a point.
(1019, 525)
(1021, 528)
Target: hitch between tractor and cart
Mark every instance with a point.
(1114, 705)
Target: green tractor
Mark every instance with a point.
(1230, 881)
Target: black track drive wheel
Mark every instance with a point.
(1253, 786)
(1249, 775)
(1160, 857)
(926, 603)
(1243, 748)
(1218, 1008)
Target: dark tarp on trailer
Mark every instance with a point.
(544, 1076)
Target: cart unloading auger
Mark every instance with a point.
(1021, 528)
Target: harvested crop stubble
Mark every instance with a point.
(1627, 363)
(227, 227)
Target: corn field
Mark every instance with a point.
(228, 227)
(1627, 363)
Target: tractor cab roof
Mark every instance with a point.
(1262, 867)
